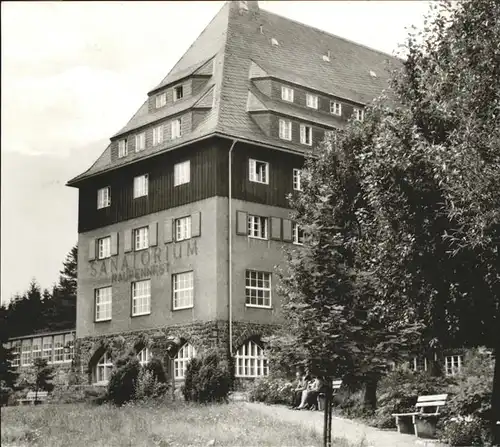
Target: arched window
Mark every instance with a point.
(144, 356)
(251, 361)
(186, 353)
(103, 369)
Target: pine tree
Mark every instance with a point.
(8, 374)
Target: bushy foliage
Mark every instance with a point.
(122, 383)
(78, 394)
(155, 367)
(148, 386)
(464, 431)
(271, 390)
(207, 379)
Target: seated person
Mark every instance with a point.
(310, 394)
(302, 380)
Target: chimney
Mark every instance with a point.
(250, 6)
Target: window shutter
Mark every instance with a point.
(153, 234)
(276, 228)
(241, 223)
(114, 244)
(302, 133)
(127, 241)
(92, 249)
(196, 225)
(167, 231)
(287, 230)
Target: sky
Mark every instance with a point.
(73, 73)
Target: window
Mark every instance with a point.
(141, 238)
(103, 197)
(36, 348)
(311, 101)
(104, 247)
(178, 92)
(258, 171)
(306, 134)
(103, 369)
(418, 363)
(183, 228)
(452, 364)
(47, 349)
(287, 94)
(16, 353)
(103, 298)
(182, 173)
(258, 289)
(157, 135)
(186, 353)
(298, 234)
(161, 100)
(122, 148)
(359, 114)
(69, 345)
(297, 179)
(141, 297)
(335, 108)
(182, 284)
(251, 361)
(26, 352)
(257, 227)
(175, 128)
(140, 142)
(58, 348)
(285, 129)
(141, 186)
(144, 356)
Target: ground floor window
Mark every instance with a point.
(186, 353)
(251, 361)
(418, 363)
(144, 356)
(453, 364)
(103, 369)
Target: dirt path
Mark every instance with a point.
(354, 432)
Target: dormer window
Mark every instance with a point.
(312, 101)
(359, 114)
(285, 130)
(122, 148)
(335, 108)
(178, 92)
(286, 93)
(158, 135)
(161, 100)
(306, 134)
(140, 142)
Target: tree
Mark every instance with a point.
(41, 376)
(8, 374)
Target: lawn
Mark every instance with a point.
(177, 424)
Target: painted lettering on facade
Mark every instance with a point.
(154, 261)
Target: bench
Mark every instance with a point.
(336, 384)
(30, 397)
(423, 421)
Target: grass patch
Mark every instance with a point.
(137, 425)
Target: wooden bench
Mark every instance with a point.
(30, 398)
(336, 384)
(423, 421)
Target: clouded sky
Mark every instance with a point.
(73, 73)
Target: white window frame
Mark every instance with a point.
(141, 297)
(158, 133)
(296, 232)
(251, 361)
(58, 348)
(184, 355)
(104, 247)
(144, 356)
(141, 186)
(336, 108)
(175, 91)
(182, 173)
(252, 288)
(103, 298)
(305, 131)
(297, 179)
(286, 93)
(140, 142)
(103, 369)
(312, 101)
(285, 129)
(26, 352)
(359, 114)
(258, 227)
(415, 363)
(122, 148)
(36, 353)
(258, 171)
(69, 347)
(183, 290)
(452, 368)
(141, 238)
(103, 197)
(182, 228)
(16, 354)
(48, 348)
(175, 129)
(161, 100)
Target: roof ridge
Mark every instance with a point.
(331, 34)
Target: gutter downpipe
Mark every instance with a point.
(230, 257)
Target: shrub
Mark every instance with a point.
(207, 379)
(155, 367)
(464, 431)
(148, 386)
(271, 390)
(121, 387)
